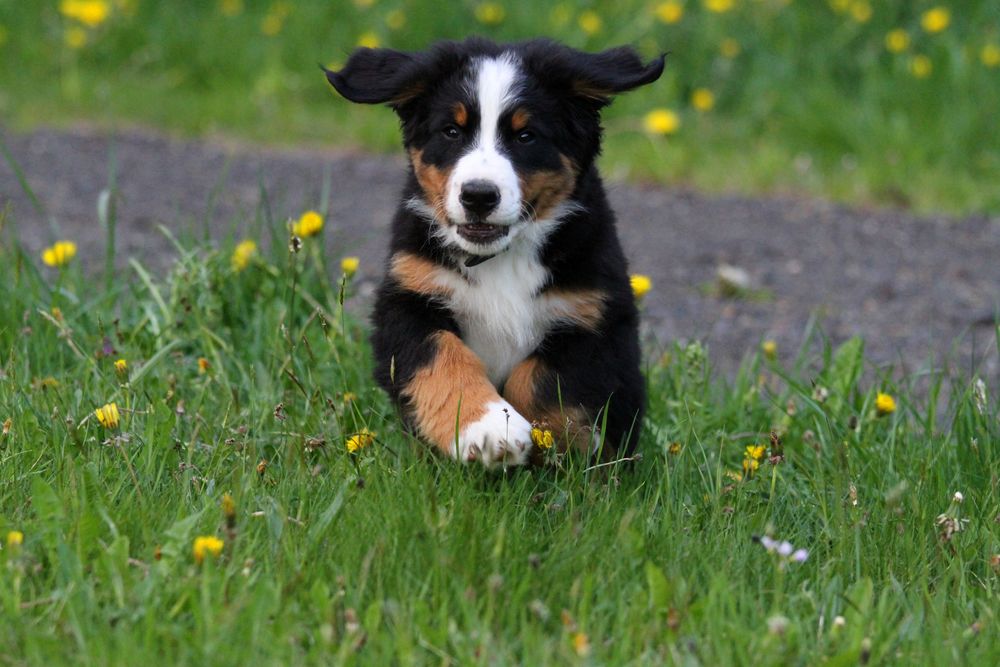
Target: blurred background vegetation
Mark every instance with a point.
(891, 102)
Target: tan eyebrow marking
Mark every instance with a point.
(520, 119)
(461, 114)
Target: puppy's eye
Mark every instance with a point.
(451, 132)
(525, 137)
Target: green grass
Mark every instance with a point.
(394, 556)
(811, 102)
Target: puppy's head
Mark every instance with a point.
(497, 134)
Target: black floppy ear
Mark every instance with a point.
(594, 76)
(377, 76)
(617, 70)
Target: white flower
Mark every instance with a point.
(958, 497)
(800, 555)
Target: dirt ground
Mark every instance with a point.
(920, 290)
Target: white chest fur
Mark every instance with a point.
(500, 311)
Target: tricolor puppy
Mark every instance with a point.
(506, 302)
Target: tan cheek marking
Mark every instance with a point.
(461, 114)
(585, 308)
(433, 181)
(545, 190)
(417, 274)
(519, 120)
(455, 375)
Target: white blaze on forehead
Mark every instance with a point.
(495, 87)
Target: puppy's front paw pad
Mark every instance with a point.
(500, 437)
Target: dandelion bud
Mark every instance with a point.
(839, 622)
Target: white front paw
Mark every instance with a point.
(500, 437)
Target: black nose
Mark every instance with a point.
(479, 197)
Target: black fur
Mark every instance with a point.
(565, 90)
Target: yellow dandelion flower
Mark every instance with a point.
(57, 313)
(395, 19)
(719, 6)
(360, 440)
(935, 20)
(75, 37)
(121, 366)
(309, 224)
(59, 254)
(884, 404)
(640, 285)
(669, 12)
(703, 99)
(108, 415)
(490, 13)
(990, 55)
(755, 452)
(90, 13)
(350, 397)
(674, 449)
(581, 644)
(243, 253)
(349, 265)
(662, 122)
(542, 438)
(369, 40)
(7, 423)
(921, 66)
(203, 365)
(897, 41)
(206, 545)
(729, 48)
(15, 538)
(750, 466)
(861, 11)
(590, 22)
(231, 7)
(769, 348)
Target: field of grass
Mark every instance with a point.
(888, 102)
(176, 487)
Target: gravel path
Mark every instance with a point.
(917, 289)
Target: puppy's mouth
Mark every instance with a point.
(482, 232)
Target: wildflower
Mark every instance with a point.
(590, 22)
(394, 20)
(897, 41)
(703, 99)
(206, 545)
(935, 20)
(769, 348)
(369, 40)
(108, 415)
(57, 313)
(990, 55)
(490, 13)
(884, 404)
(839, 622)
(958, 498)
(733, 475)
(581, 644)
(542, 438)
(229, 510)
(349, 397)
(669, 12)
(262, 467)
(784, 550)
(7, 423)
(90, 13)
(203, 365)
(948, 526)
(243, 253)
(59, 254)
(861, 11)
(662, 121)
(756, 452)
(360, 440)
(777, 625)
(640, 285)
(15, 538)
(349, 265)
(750, 466)
(121, 367)
(729, 48)
(231, 7)
(309, 224)
(674, 449)
(719, 6)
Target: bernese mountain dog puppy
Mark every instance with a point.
(506, 303)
